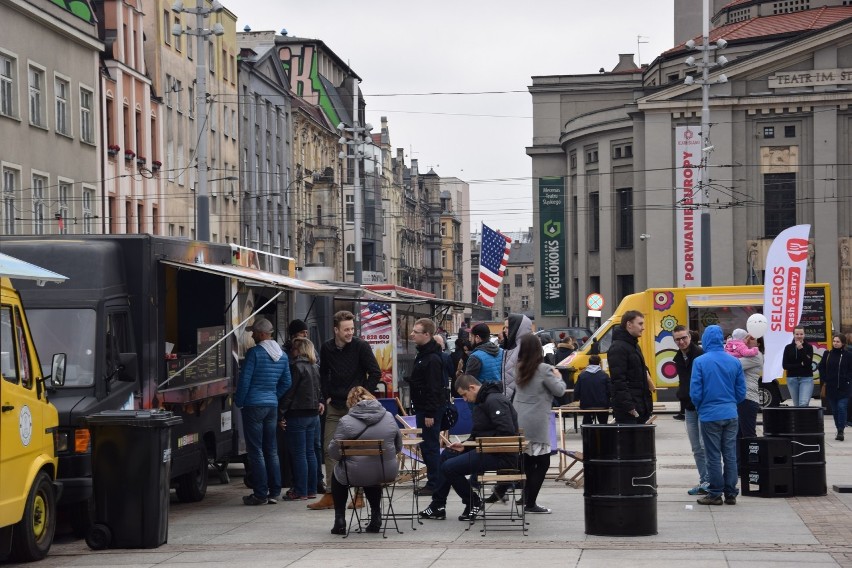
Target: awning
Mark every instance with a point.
(256, 277)
(15, 268)
(723, 300)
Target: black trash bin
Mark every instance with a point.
(620, 479)
(131, 461)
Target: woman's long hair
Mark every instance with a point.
(529, 358)
(304, 347)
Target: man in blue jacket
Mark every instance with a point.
(264, 378)
(716, 388)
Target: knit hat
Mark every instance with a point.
(296, 326)
(739, 334)
(262, 325)
(481, 331)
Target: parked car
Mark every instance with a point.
(581, 334)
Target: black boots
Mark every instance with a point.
(375, 521)
(339, 525)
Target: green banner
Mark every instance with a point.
(552, 284)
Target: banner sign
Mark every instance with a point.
(552, 284)
(686, 198)
(783, 293)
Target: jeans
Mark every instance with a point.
(259, 423)
(747, 415)
(839, 407)
(454, 469)
(720, 444)
(430, 448)
(302, 432)
(693, 432)
(801, 389)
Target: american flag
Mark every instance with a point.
(375, 318)
(493, 257)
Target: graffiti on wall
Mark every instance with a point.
(300, 62)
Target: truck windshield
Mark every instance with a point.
(72, 332)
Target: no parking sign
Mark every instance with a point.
(595, 303)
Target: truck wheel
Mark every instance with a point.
(81, 515)
(192, 486)
(99, 537)
(33, 535)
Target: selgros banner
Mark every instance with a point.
(783, 292)
(687, 197)
(551, 221)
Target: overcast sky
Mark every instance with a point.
(468, 46)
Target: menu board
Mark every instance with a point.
(813, 315)
(211, 366)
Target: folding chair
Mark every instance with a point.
(411, 466)
(513, 478)
(374, 448)
(571, 459)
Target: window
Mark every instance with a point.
(443, 229)
(171, 229)
(23, 354)
(319, 214)
(88, 212)
(225, 121)
(178, 88)
(168, 89)
(190, 103)
(443, 258)
(594, 221)
(507, 290)
(530, 280)
(594, 284)
(36, 96)
(61, 88)
(519, 280)
(8, 347)
(211, 58)
(592, 156)
(64, 192)
(525, 302)
(167, 27)
(39, 184)
(779, 198)
(789, 132)
(623, 285)
(624, 229)
(573, 159)
(769, 132)
(350, 259)
(86, 117)
(350, 208)
(190, 44)
(8, 88)
(10, 184)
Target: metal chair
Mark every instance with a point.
(373, 448)
(513, 478)
(411, 466)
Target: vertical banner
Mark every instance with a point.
(686, 197)
(553, 288)
(783, 293)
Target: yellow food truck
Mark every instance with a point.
(28, 421)
(697, 308)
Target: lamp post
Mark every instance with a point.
(197, 216)
(360, 136)
(202, 200)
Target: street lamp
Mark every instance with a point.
(360, 136)
(197, 216)
(202, 201)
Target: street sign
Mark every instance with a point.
(594, 301)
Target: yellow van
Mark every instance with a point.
(697, 308)
(28, 491)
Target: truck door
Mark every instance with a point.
(21, 419)
(118, 341)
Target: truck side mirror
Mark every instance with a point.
(57, 369)
(127, 367)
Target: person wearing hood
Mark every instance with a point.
(516, 326)
(367, 419)
(493, 415)
(428, 383)
(593, 391)
(631, 381)
(485, 362)
(835, 371)
(264, 378)
(716, 388)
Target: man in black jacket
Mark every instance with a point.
(429, 396)
(493, 415)
(631, 381)
(346, 362)
(686, 354)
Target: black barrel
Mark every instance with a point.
(792, 420)
(620, 486)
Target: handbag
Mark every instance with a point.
(450, 417)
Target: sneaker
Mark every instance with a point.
(710, 500)
(253, 500)
(292, 496)
(471, 512)
(700, 489)
(433, 512)
(679, 417)
(495, 497)
(537, 509)
(730, 499)
(271, 501)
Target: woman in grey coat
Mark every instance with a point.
(367, 420)
(536, 383)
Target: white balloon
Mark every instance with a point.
(756, 325)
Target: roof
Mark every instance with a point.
(777, 25)
(522, 253)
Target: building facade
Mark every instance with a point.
(780, 142)
(50, 96)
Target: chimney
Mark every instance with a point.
(625, 63)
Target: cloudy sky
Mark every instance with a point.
(468, 46)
